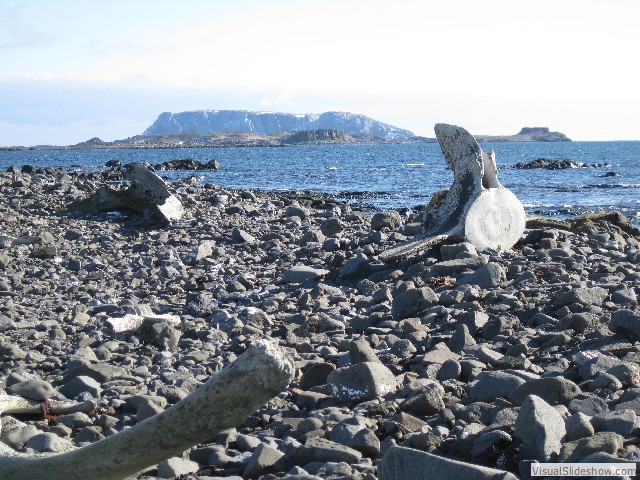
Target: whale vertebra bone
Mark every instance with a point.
(477, 208)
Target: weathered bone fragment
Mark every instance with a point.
(224, 401)
(147, 194)
(132, 322)
(477, 208)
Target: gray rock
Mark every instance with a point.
(439, 354)
(599, 364)
(48, 442)
(578, 450)
(357, 266)
(541, 429)
(588, 404)
(487, 276)
(315, 374)
(485, 442)
(621, 421)
(553, 390)
(411, 301)
(624, 296)
(605, 381)
(147, 409)
(6, 324)
(401, 463)
(16, 433)
(490, 385)
(427, 401)
(578, 426)
(247, 442)
(303, 273)
(202, 305)
(360, 351)
(461, 339)
(176, 466)
(75, 420)
(625, 322)
(403, 348)
(354, 433)
(88, 435)
(204, 250)
(331, 226)
(583, 296)
(318, 449)
(627, 373)
(262, 459)
(578, 322)
(485, 354)
(389, 219)
(471, 368)
(241, 236)
(451, 252)
(476, 412)
(450, 370)
(453, 267)
(34, 389)
(361, 382)
(297, 211)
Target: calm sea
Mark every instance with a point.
(395, 176)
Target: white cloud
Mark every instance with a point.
(109, 44)
(493, 66)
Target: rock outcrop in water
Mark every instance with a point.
(550, 164)
(265, 123)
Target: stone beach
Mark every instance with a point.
(450, 363)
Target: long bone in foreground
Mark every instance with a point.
(224, 401)
(477, 208)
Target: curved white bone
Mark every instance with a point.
(224, 401)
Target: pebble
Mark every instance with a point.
(34, 389)
(490, 385)
(541, 429)
(361, 382)
(578, 426)
(176, 466)
(302, 273)
(412, 301)
(428, 364)
(553, 390)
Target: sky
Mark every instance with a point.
(72, 70)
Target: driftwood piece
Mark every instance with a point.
(477, 208)
(148, 194)
(14, 405)
(224, 401)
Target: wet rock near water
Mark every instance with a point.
(550, 164)
(453, 361)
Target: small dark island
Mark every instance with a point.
(527, 134)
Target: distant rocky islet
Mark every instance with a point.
(454, 362)
(237, 128)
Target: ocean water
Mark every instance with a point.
(395, 175)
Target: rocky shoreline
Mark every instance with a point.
(487, 358)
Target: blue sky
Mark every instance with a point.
(71, 70)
